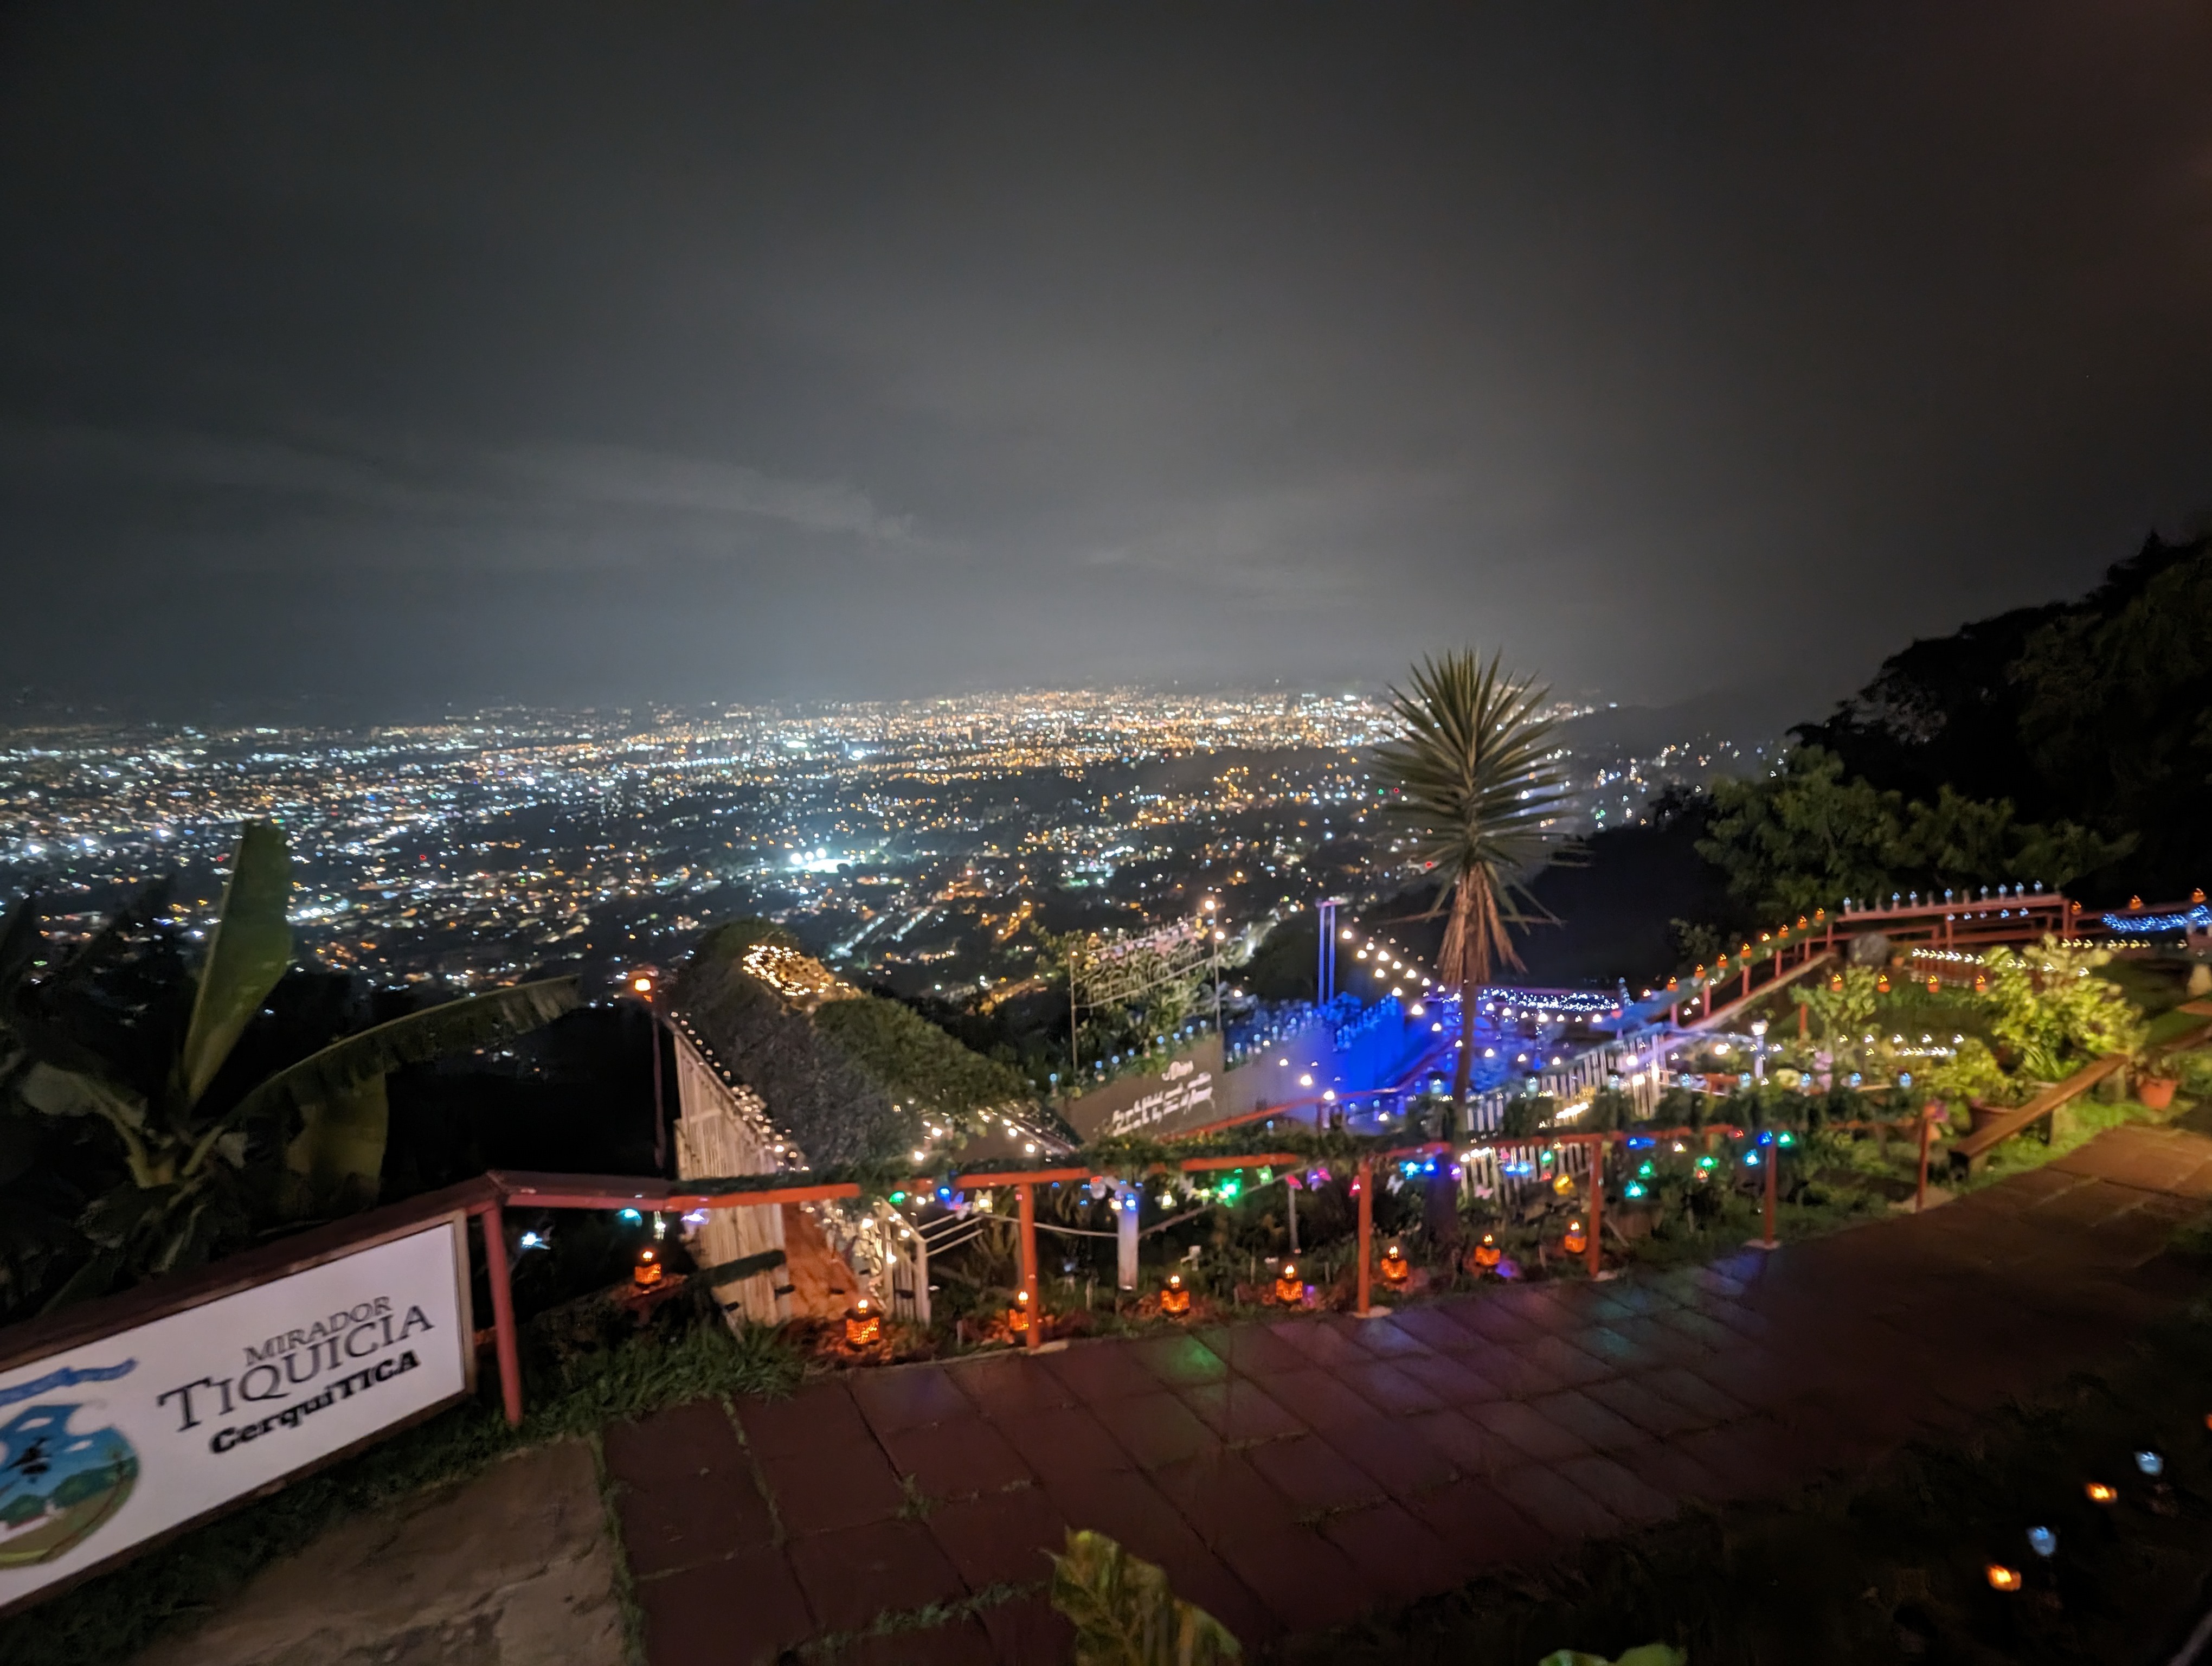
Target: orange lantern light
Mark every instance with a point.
(1576, 1240)
(1175, 1300)
(2002, 1577)
(1881, 984)
(646, 1272)
(1786, 934)
(2101, 1492)
(1487, 1254)
(1290, 1288)
(1836, 984)
(1801, 922)
(1747, 948)
(1396, 1269)
(1700, 972)
(1017, 1316)
(1934, 984)
(2196, 895)
(864, 1324)
(1981, 983)
(1819, 913)
(2134, 901)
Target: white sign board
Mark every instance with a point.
(110, 1443)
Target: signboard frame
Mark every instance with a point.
(118, 1317)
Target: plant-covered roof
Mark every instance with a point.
(850, 1077)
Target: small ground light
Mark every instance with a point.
(1487, 1254)
(2044, 1542)
(1017, 1316)
(1289, 1289)
(1396, 1269)
(2100, 1492)
(863, 1323)
(646, 1272)
(1576, 1240)
(1175, 1300)
(2002, 1577)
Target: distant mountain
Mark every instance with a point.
(1749, 714)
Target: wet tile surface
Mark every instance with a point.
(1293, 1475)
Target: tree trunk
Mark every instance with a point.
(1440, 1206)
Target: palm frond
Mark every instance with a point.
(340, 1068)
(1479, 782)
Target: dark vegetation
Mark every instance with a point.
(2070, 744)
(161, 1108)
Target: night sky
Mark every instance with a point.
(385, 357)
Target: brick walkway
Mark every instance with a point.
(1290, 1475)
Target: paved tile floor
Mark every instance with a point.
(1290, 1475)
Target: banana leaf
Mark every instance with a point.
(336, 1071)
(1125, 1614)
(337, 1155)
(248, 954)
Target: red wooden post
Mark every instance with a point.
(1595, 1253)
(1036, 1332)
(502, 1312)
(1747, 975)
(1709, 1000)
(1365, 1181)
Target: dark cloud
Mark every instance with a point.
(395, 356)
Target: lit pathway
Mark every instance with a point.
(1290, 1476)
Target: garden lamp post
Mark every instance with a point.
(1759, 1049)
(645, 984)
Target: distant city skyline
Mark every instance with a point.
(922, 841)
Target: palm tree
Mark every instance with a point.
(150, 1068)
(1478, 780)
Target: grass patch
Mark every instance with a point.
(633, 1616)
(116, 1615)
(2167, 1026)
(894, 1622)
(1891, 1567)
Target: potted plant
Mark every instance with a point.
(2155, 1089)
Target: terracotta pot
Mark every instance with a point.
(2156, 1092)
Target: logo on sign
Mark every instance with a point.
(58, 1483)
